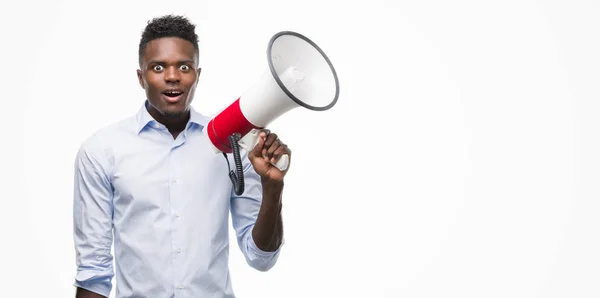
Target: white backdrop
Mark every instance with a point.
(461, 160)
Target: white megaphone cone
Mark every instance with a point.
(299, 74)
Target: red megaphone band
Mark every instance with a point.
(229, 121)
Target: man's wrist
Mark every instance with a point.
(272, 190)
(271, 185)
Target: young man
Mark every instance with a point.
(152, 185)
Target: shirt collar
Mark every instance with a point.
(143, 118)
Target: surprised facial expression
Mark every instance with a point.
(169, 74)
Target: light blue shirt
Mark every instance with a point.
(165, 204)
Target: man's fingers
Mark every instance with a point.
(269, 147)
(281, 150)
(271, 138)
(269, 142)
(264, 133)
(257, 150)
(274, 146)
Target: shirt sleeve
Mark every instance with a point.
(92, 216)
(244, 210)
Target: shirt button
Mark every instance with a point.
(177, 215)
(180, 287)
(179, 250)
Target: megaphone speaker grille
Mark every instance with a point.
(303, 71)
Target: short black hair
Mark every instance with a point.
(168, 26)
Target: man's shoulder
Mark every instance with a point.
(108, 135)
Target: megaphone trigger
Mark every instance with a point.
(282, 163)
(251, 139)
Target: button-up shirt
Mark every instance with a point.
(164, 203)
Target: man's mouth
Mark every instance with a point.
(172, 95)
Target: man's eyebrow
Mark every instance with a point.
(162, 62)
(186, 61)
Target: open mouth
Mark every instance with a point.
(172, 95)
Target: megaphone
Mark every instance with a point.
(299, 74)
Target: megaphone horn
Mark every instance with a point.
(299, 74)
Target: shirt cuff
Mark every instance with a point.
(261, 252)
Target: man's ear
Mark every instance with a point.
(140, 78)
(198, 76)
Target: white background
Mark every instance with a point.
(461, 161)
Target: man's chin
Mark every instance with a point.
(174, 111)
(169, 111)
(173, 114)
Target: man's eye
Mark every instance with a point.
(158, 67)
(184, 67)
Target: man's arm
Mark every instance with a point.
(256, 218)
(92, 221)
(268, 230)
(257, 213)
(83, 293)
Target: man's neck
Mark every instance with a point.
(175, 124)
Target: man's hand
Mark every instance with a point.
(269, 149)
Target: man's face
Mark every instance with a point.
(169, 74)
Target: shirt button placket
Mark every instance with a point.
(174, 195)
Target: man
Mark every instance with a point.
(152, 185)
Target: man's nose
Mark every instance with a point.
(172, 75)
